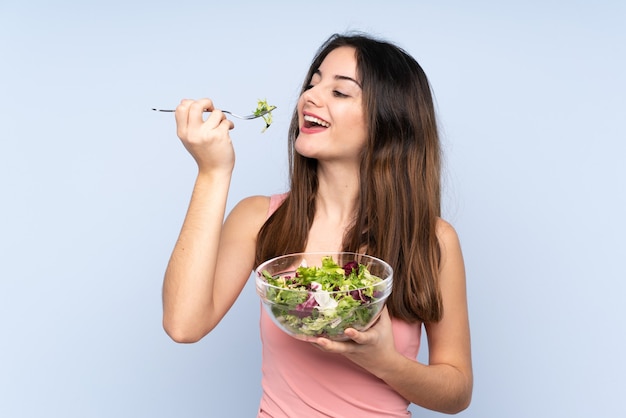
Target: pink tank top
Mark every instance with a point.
(300, 380)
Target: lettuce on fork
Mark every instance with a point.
(263, 106)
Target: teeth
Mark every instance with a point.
(317, 121)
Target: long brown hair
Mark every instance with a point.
(399, 200)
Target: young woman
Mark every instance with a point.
(365, 177)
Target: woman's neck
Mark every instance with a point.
(337, 194)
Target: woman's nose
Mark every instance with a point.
(311, 95)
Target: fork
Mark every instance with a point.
(247, 117)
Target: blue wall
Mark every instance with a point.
(95, 185)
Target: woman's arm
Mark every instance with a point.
(445, 384)
(212, 259)
(204, 276)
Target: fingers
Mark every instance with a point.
(182, 117)
(356, 336)
(196, 113)
(189, 117)
(325, 344)
(361, 338)
(381, 330)
(340, 347)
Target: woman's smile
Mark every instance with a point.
(313, 124)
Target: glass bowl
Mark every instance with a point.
(334, 297)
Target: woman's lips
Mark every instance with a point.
(312, 129)
(313, 124)
(314, 120)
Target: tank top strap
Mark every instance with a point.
(275, 201)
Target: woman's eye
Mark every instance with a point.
(337, 93)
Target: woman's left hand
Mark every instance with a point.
(371, 349)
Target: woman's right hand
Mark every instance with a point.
(208, 141)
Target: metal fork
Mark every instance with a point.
(247, 117)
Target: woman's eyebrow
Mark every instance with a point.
(340, 77)
(344, 77)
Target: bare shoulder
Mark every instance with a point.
(253, 205)
(449, 242)
(242, 226)
(251, 211)
(446, 232)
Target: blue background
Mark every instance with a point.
(531, 98)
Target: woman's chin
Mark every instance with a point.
(306, 146)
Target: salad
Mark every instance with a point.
(324, 301)
(262, 106)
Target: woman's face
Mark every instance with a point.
(330, 111)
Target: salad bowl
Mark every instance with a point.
(311, 295)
